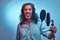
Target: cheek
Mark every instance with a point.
(24, 13)
(31, 12)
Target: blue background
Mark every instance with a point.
(11, 9)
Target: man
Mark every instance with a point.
(29, 27)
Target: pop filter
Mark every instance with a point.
(42, 15)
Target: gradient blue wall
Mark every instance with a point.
(11, 9)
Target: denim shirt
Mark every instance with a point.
(31, 32)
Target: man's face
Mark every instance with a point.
(27, 11)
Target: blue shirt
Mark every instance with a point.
(32, 31)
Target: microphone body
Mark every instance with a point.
(48, 19)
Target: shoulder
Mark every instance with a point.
(19, 25)
(22, 25)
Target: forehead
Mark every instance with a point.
(28, 6)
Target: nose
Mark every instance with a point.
(28, 11)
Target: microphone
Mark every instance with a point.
(42, 15)
(48, 19)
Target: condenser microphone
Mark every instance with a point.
(42, 15)
(48, 19)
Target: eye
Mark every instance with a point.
(30, 9)
(25, 9)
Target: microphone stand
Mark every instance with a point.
(40, 29)
(54, 37)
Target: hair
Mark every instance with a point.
(34, 15)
